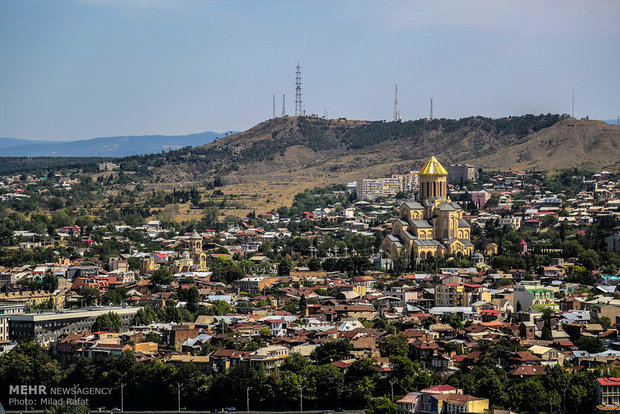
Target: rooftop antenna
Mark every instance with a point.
(396, 109)
(431, 115)
(325, 113)
(274, 105)
(283, 105)
(572, 113)
(298, 106)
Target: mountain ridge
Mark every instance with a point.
(115, 146)
(283, 156)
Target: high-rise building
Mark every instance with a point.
(456, 172)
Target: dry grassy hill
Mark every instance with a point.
(271, 162)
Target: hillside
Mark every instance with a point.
(103, 147)
(280, 157)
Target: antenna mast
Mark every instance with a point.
(283, 105)
(572, 112)
(396, 108)
(431, 115)
(274, 105)
(298, 106)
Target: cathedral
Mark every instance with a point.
(434, 226)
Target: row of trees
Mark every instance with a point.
(320, 385)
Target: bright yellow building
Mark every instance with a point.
(434, 226)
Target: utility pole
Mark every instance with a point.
(122, 402)
(392, 388)
(247, 398)
(301, 398)
(179, 395)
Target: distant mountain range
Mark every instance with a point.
(105, 147)
(611, 121)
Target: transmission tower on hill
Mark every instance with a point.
(298, 105)
(431, 114)
(396, 117)
(283, 105)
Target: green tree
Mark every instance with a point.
(395, 345)
(284, 267)
(296, 363)
(162, 276)
(90, 296)
(302, 303)
(453, 320)
(400, 261)
(331, 351)
(590, 343)
(151, 337)
(113, 297)
(49, 282)
(546, 334)
(220, 308)
(605, 322)
(589, 259)
(210, 216)
(536, 395)
(193, 299)
(144, 316)
(108, 322)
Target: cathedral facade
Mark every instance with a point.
(433, 226)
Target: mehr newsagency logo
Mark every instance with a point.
(37, 396)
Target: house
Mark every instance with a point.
(202, 362)
(102, 350)
(608, 393)
(271, 357)
(459, 403)
(549, 356)
(447, 399)
(612, 242)
(255, 284)
(277, 327)
(222, 359)
(526, 296)
(409, 404)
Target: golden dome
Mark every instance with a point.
(433, 167)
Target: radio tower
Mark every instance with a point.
(298, 106)
(396, 108)
(274, 105)
(283, 105)
(431, 115)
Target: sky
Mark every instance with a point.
(78, 69)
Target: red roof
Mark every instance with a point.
(522, 242)
(491, 312)
(528, 370)
(609, 381)
(411, 397)
(439, 388)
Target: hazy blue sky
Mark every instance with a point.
(85, 68)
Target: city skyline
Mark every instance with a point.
(88, 68)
